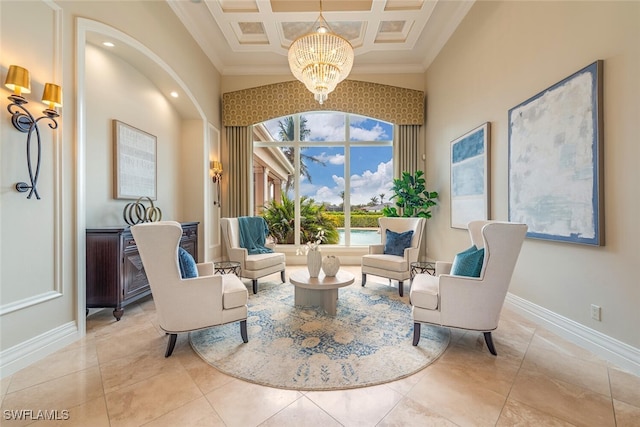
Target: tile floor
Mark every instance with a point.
(117, 376)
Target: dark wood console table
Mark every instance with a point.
(115, 276)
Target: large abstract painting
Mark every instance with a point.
(470, 177)
(555, 160)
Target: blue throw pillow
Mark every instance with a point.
(188, 268)
(468, 262)
(396, 243)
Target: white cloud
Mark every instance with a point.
(363, 187)
(326, 126)
(334, 159)
(375, 134)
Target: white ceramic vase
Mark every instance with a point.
(314, 262)
(330, 265)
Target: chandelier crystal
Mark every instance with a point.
(321, 59)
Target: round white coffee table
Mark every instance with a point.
(319, 291)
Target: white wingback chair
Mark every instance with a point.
(184, 305)
(251, 266)
(393, 266)
(472, 303)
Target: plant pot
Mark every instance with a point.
(314, 263)
(330, 265)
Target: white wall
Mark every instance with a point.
(117, 91)
(36, 278)
(41, 247)
(501, 55)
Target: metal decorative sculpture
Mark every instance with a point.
(136, 213)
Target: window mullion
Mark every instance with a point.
(347, 182)
(296, 186)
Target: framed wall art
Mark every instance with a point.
(135, 162)
(556, 160)
(470, 177)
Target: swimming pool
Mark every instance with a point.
(361, 236)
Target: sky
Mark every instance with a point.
(371, 167)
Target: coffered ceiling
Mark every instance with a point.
(389, 36)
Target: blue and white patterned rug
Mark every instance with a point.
(368, 342)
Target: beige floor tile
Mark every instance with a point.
(302, 412)
(555, 383)
(512, 337)
(92, 413)
(57, 395)
(563, 400)
(357, 407)
(135, 367)
(4, 385)
(508, 314)
(408, 413)
(403, 385)
(119, 345)
(481, 368)
(473, 340)
(564, 347)
(197, 413)
(149, 399)
(549, 360)
(626, 415)
(147, 304)
(241, 403)
(625, 387)
(104, 324)
(515, 413)
(456, 335)
(54, 366)
(206, 377)
(451, 395)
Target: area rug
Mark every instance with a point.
(368, 342)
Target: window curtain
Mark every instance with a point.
(406, 149)
(240, 146)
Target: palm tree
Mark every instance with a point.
(287, 133)
(382, 198)
(280, 219)
(374, 201)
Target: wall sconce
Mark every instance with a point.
(216, 176)
(19, 81)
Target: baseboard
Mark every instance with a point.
(618, 353)
(24, 354)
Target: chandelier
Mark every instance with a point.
(320, 59)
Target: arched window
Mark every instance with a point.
(334, 169)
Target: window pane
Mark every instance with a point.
(323, 180)
(371, 176)
(367, 129)
(281, 129)
(338, 167)
(323, 126)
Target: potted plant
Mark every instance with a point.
(411, 196)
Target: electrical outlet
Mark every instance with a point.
(596, 312)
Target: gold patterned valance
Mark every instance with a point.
(389, 103)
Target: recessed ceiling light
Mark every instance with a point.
(108, 44)
(174, 94)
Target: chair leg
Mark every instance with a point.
(401, 288)
(171, 344)
(489, 341)
(282, 276)
(243, 331)
(364, 279)
(254, 282)
(416, 333)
